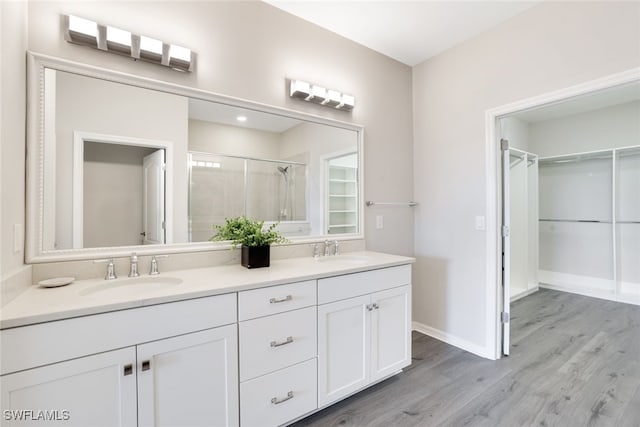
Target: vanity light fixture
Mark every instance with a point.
(320, 95)
(115, 40)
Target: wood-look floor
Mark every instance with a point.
(575, 361)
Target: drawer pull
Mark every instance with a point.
(289, 340)
(277, 401)
(128, 369)
(146, 365)
(276, 300)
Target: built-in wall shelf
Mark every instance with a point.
(342, 195)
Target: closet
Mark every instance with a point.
(574, 196)
(589, 225)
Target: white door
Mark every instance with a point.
(190, 380)
(343, 348)
(390, 331)
(506, 246)
(98, 390)
(153, 190)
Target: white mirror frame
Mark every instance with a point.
(35, 251)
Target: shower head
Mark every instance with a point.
(282, 170)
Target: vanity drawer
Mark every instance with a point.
(279, 397)
(276, 299)
(356, 284)
(275, 342)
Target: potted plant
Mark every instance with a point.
(255, 240)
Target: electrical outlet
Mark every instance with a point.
(379, 222)
(481, 223)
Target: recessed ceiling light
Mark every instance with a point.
(241, 118)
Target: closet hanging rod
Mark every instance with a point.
(627, 222)
(371, 203)
(597, 221)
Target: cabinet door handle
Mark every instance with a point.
(128, 369)
(376, 306)
(369, 307)
(276, 300)
(289, 340)
(146, 365)
(277, 401)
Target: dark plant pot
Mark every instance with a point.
(255, 256)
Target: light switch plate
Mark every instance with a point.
(481, 223)
(379, 222)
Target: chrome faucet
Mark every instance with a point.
(327, 248)
(133, 268)
(154, 264)
(336, 247)
(111, 268)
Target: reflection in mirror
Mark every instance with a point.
(125, 165)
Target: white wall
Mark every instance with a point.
(13, 42)
(113, 194)
(247, 50)
(215, 138)
(548, 47)
(516, 131)
(611, 127)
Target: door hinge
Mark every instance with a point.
(162, 225)
(505, 231)
(504, 317)
(504, 144)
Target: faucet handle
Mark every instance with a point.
(336, 247)
(111, 268)
(316, 251)
(133, 268)
(154, 264)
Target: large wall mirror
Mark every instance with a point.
(119, 163)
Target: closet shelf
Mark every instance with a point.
(627, 222)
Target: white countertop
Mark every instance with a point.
(38, 304)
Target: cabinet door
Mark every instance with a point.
(343, 348)
(98, 390)
(189, 380)
(390, 331)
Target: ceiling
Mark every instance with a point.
(409, 31)
(228, 115)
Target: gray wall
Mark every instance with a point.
(13, 43)
(245, 50)
(546, 48)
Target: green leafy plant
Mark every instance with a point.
(245, 231)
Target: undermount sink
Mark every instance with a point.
(133, 284)
(351, 259)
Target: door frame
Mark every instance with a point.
(79, 138)
(494, 201)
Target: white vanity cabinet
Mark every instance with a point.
(364, 330)
(164, 374)
(278, 352)
(89, 391)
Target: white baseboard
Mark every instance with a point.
(453, 340)
(571, 281)
(14, 284)
(525, 293)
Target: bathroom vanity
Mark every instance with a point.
(218, 346)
